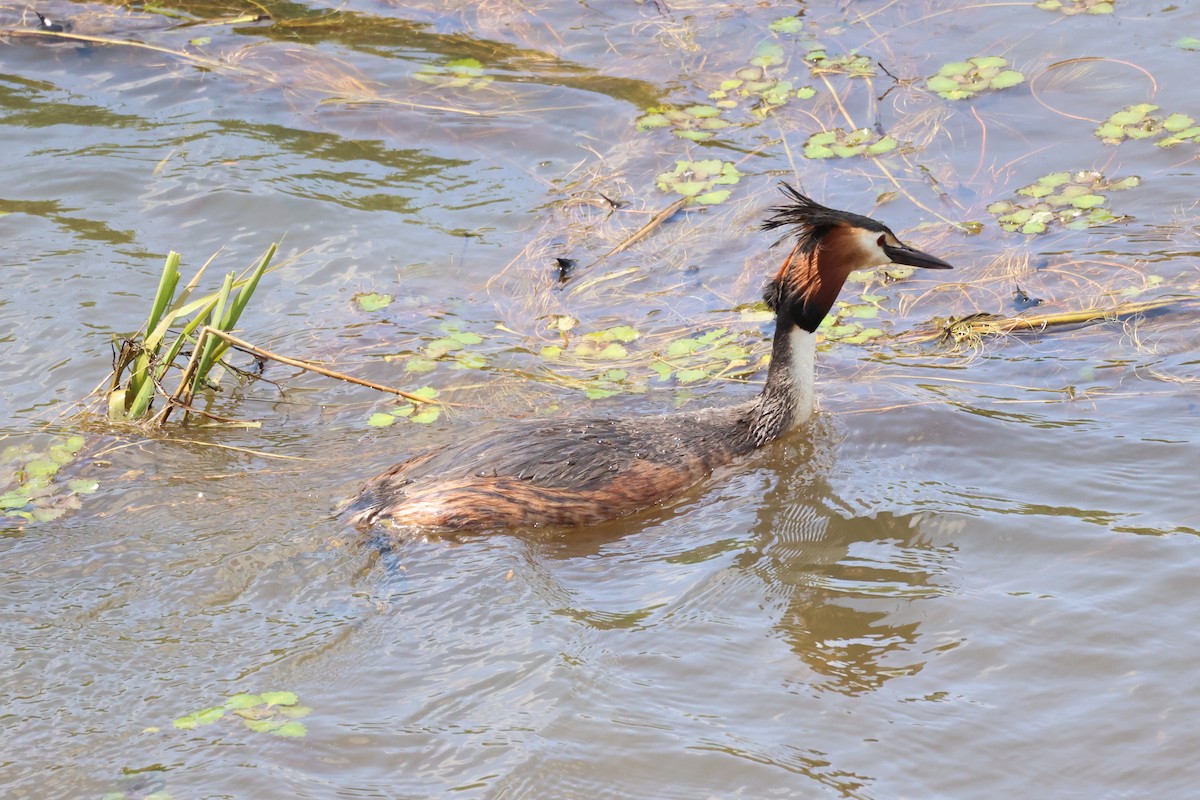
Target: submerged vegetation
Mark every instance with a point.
(32, 486)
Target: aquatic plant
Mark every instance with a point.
(791, 24)
(1073, 200)
(277, 713)
(31, 489)
(855, 66)
(1073, 7)
(840, 143)
(408, 410)
(717, 352)
(1137, 122)
(372, 301)
(696, 122)
(695, 180)
(143, 360)
(959, 80)
(461, 73)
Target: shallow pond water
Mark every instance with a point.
(972, 576)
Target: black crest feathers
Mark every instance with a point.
(809, 220)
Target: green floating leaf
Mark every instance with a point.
(1188, 43)
(427, 416)
(713, 198)
(787, 25)
(683, 347)
(372, 301)
(283, 698)
(83, 486)
(840, 143)
(465, 337)
(767, 54)
(380, 420)
(41, 469)
(420, 364)
(203, 717)
(959, 80)
(1007, 79)
(291, 729)
(237, 701)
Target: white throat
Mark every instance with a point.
(803, 347)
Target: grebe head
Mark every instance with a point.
(829, 246)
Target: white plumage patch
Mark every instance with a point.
(804, 375)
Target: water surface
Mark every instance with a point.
(972, 576)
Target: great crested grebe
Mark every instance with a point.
(573, 472)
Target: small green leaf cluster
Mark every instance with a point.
(406, 409)
(697, 358)
(269, 712)
(841, 143)
(845, 320)
(453, 347)
(372, 301)
(1073, 7)
(1136, 122)
(696, 180)
(605, 345)
(695, 123)
(959, 80)
(461, 73)
(766, 92)
(30, 491)
(1072, 200)
(855, 66)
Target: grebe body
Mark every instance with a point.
(572, 472)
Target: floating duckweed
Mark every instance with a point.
(1188, 43)
(413, 412)
(853, 65)
(31, 491)
(959, 80)
(840, 143)
(270, 712)
(695, 180)
(372, 301)
(696, 123)
(1137, 122)
(462, 73)
(1073, 200)
(1073, 7)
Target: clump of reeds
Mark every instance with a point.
(143, 361)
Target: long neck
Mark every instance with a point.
(789, 396)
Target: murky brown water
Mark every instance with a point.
(973, 576)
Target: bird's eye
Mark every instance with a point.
(882, 240)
